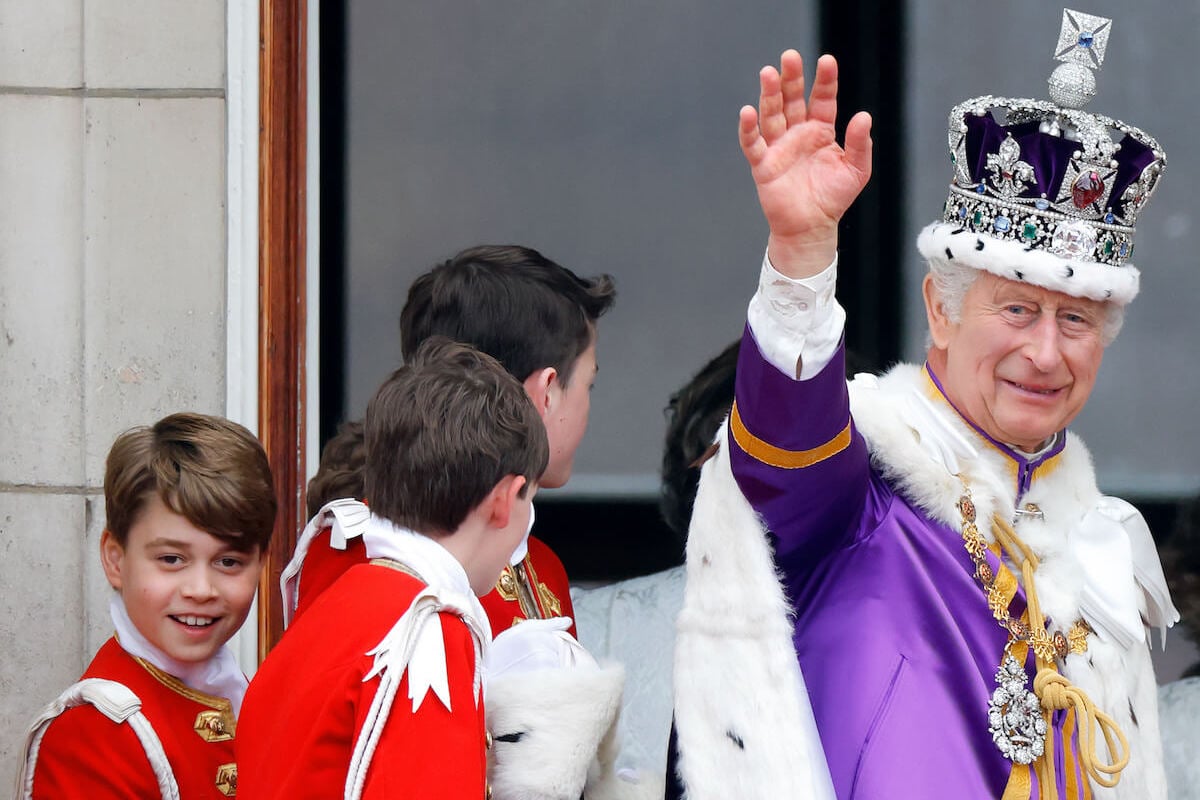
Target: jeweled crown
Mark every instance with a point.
(1048, 175)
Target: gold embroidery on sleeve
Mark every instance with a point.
(778, 457)
(179, 687)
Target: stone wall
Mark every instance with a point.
(112, 294)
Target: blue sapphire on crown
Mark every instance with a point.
(1083, 39)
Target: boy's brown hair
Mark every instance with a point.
(442, 431)
(207, 469)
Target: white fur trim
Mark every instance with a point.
(744, 724)
(548, 728)
(1012, 260)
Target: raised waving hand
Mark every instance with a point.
(805, 179)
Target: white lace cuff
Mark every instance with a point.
(797, 323)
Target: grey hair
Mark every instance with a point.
(952, 280)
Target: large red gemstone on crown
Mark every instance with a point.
(1087, 189)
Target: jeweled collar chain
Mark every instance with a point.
(1047, 647)
(1019, 719)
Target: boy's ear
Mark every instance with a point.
(502, 500)
(112, 557)
(538, 386)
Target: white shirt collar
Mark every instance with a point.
(220, 675)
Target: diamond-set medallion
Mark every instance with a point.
(1015, 715)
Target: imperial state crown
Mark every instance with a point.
(1044, 191)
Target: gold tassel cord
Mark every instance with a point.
(1057, 693)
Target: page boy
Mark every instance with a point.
(537, 318)
(375, 691)
(189, 508)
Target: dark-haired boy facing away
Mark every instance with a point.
(538, 319)
(190, 507)
(554, 728)
(375, 691)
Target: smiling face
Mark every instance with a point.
(185, 590)
(1021, 361)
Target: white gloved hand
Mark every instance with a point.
(537, 644)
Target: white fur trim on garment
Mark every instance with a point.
(548, 727)
(742, 715)
(1012, 260)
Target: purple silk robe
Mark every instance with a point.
(892, 629)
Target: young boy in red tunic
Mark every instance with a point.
(376, 690)
(539, 320)
(190, 507)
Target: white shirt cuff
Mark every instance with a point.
(797, 323)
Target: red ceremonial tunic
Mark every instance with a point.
(537, 588)
(86, 755)
(307, 704)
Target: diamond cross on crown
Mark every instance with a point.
(1083, 39)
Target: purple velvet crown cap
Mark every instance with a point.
(1050, 157)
